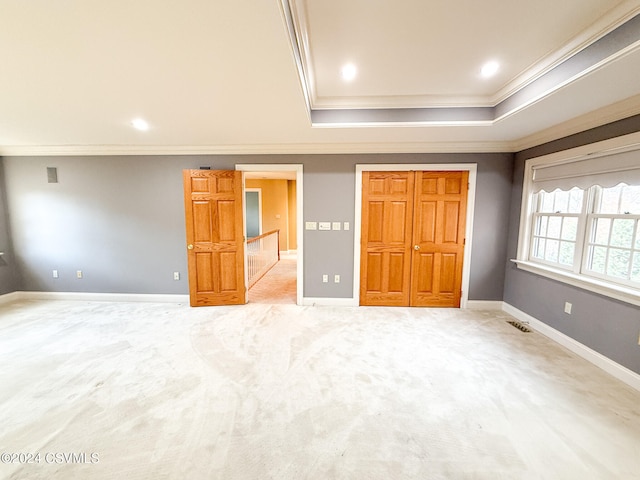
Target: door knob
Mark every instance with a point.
(416, 247)
(190, 246)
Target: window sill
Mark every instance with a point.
(619, 292)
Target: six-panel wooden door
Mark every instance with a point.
(413, 236)
(387, 217)
(215, 237)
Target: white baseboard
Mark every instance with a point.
(484, 305)
(330, 302)
(620, 372)
(95, 297)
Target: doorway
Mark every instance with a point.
(413, 231)
(281, 206)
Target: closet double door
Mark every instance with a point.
(412, 238)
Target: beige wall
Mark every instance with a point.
(275, 207)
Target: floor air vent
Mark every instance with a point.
(520, 326)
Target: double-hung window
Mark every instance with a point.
(580, 221)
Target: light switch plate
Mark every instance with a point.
(324, 225)
(336, 226)
(311, 226)
(346, 225)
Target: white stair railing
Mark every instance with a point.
(263, 252)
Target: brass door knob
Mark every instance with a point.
(190, 246)
(416, 247)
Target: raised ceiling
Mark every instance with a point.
(264, 76)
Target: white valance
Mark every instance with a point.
(604, 170)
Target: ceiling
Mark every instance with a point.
(263, 76)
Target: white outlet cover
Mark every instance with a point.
(336, 226)
(311, 226)
(346, 226)
(324, 225)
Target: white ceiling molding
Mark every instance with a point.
(602, 26)
(611, 113)
(268, 149)
(620, 54)
(565, 66)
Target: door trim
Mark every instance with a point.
(287, 167)
(426, 167)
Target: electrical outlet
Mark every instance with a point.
(79, 274)
(346, 226)
(55, 274)
(176, 275)
(336, 279)
(325, 278)
(567, 308)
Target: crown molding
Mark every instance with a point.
(611, 113)
(283, 149)
(297, 21)
(613, 19)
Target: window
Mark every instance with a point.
(613, 241)
(555, 227)
(580, 220)
(594, 232)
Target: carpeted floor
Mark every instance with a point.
(278, 286)
(164, 391)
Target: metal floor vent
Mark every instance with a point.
(519, 326)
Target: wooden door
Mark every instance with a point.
(387, 215)
(215, 237)
(440, 212)
(412, 240)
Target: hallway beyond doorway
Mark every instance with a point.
(279, 284)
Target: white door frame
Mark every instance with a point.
(391, 167)
(287, 167)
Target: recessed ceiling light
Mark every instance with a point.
(349, 72)
(140, 124)
(489, 69)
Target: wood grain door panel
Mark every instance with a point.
(413, 229)
(439, 236)
(215, 238)
(387, 218)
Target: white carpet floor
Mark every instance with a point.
(164, 391)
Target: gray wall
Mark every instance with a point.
(9, 281)
(605, 325)
(120, 219)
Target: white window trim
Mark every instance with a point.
(602, 287)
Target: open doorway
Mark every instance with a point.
(273, 222)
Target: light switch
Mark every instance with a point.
(336, 226)
(311, 226)
(346, 225)
(324, 225)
